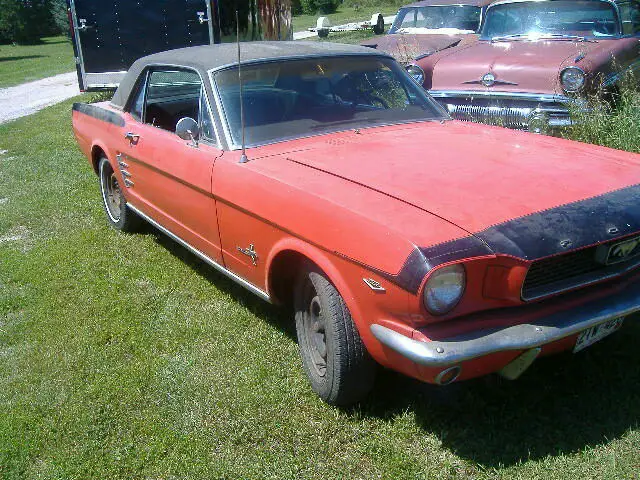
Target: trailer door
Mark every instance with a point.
(109, 35)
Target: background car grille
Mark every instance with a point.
(517, 114)
(516, 118)
(563, 272)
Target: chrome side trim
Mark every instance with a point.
(519, 337)
(534, 97)
(252, 288)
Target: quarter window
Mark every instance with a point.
(137, 105)
(206, 124)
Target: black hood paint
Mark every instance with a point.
(542, 234)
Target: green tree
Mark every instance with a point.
(25, 21)
(60, 16)
(312, 7)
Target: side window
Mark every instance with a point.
(172, 95)
(630, 15)
(137, 104)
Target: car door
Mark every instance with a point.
(166, 177)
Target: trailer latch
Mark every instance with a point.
(201, 18)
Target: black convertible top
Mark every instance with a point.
(209, 57)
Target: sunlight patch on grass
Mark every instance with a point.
(26, 63)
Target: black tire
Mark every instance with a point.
(340, 369)
(119, 216)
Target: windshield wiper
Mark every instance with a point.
(344, 122)
(541, 36)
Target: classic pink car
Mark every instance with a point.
(426, 27)
(533, 59)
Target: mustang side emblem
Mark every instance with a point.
(250, 252)
(374, 285)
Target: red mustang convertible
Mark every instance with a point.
(441, 249)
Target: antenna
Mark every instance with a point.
(243, 157)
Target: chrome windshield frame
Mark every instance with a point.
(612, 3)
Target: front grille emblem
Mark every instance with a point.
(488, 79)
(618, 252)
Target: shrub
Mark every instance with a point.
(312, 7)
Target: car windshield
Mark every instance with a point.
(557, 19)
(299, 98)
(437, 19)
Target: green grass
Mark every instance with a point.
(344, 14)
(123, 356)
(25, 63)
(354, 37)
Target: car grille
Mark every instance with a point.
(517, 114)
(564, 272)
(516, 118)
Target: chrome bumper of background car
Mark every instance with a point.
(520, 111)
(546, 330)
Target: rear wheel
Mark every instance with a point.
(119, 215)
(340, 369)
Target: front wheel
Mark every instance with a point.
(340, 369)
(119, 215)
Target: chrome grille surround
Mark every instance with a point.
(571, 270)
(520, 111)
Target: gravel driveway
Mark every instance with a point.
(28, 98)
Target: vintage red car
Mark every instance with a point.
(441, 249)
(426, 27)
(536, 59)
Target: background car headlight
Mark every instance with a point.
(444, 289)
(572, 79)
(416, 72)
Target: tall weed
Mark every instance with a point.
(611, 122)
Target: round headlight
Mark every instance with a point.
(444, 289)
(572, 79)
(416, 72)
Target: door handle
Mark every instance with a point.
(132, 137)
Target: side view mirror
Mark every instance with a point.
(187, 129)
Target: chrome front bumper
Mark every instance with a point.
(546, 330)
(521, 111)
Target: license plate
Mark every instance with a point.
(596, 333)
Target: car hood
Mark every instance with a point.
(519, 66)
(406, 47)
(478, 177)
